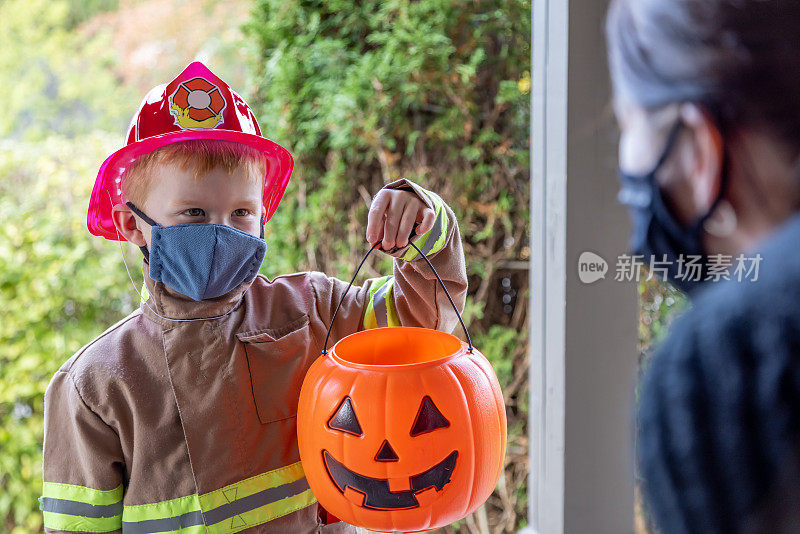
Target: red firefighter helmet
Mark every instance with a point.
(195, 105)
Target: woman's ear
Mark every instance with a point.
(126, 224)
(705, 168)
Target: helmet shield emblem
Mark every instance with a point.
(197, 103)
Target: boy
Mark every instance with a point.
(182, 416)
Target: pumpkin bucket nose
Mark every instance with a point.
(386, 453)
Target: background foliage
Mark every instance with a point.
(362, 93)
(57, 290)
(437, 91)
(44, 65)
(659, 304)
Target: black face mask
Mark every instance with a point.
(658, 234)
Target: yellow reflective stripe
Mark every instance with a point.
(391, 314)
(256, 500)
(161, 510)
(77, 523)
(80, 508)
(370, 320)
(440, 216)
(145, 294)
(265, 513)
(249, 486)
(434, 239)
(383, 305)
(237, 506)
(72, 492)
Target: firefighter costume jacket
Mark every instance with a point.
(190, 427)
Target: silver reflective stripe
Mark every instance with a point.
(251, 502)
(168, 524)
(436, 232)
(95, 511)
(379, 305)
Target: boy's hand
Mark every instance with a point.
(392, 217)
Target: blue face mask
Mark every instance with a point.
(202, 260)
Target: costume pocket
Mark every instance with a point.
(278, 359)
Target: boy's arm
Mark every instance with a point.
(82, 464)
(411, 295)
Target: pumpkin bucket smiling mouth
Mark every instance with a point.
(401, 428)
(377, 494)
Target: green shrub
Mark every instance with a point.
(55, 79)
(363, 93)
(59, 288)
(437, 91)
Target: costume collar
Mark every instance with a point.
(168, 303)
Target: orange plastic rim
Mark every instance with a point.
(384, 349)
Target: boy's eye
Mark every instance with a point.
(194, 212)
(241, 212)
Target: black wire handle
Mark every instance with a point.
(469, 341)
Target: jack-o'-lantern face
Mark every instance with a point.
(396, 446)
(376, 492)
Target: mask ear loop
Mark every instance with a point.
(120, 239)
(672, 137)
(146, 219)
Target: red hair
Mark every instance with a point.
(200, 155)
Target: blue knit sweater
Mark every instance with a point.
(719, 410)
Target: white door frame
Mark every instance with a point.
(582, 336)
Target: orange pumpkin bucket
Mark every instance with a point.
(401, 428)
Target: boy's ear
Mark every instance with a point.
(125, 221)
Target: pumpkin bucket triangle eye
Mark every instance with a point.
(344, 418)
(428, 418)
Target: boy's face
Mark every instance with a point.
(176, 197)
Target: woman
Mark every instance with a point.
(707, 95)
